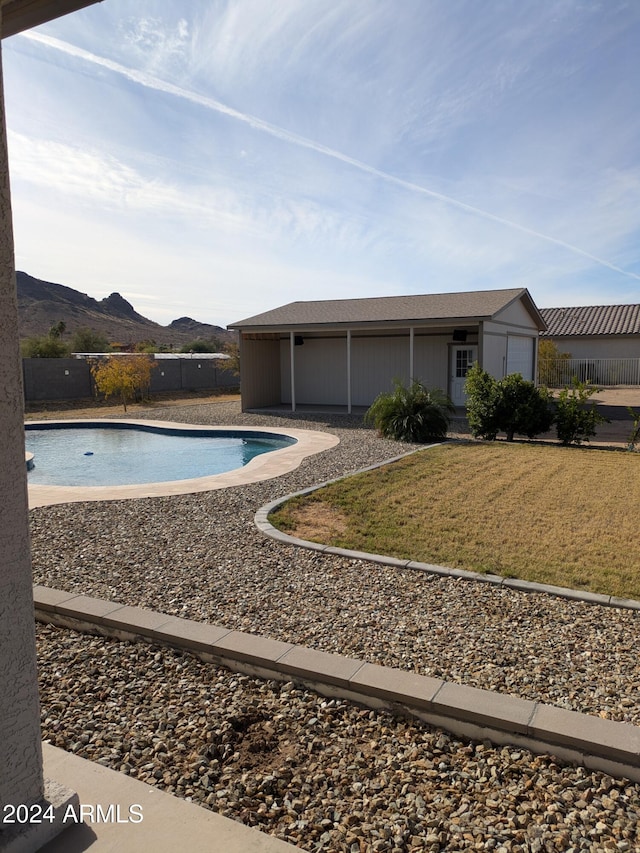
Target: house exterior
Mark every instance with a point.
(344, 352)
(603, 342)
(595, 331)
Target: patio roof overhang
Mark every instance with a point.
(443, 324)
(19, 15)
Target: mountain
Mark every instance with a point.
(43, 304)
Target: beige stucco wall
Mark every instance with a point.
(20, 740)
(320, 366)
(619, 346)
(259, 372)
(376, 360)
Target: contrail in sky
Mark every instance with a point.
(151, 82)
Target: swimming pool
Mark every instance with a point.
(122, 453)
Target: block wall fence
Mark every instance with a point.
(70, 378)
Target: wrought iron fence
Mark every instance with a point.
(558, 372)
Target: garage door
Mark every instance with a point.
(520, 356)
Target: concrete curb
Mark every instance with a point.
(597, 744)
(263, 524)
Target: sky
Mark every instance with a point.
(218, 158)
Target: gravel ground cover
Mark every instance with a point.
(321, 774)
(325, 775)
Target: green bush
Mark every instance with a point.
(576, 418)
(47, 346)
(413, 413)
(510, 405)
(634, 435)
(483, 404)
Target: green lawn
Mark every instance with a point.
(563, 516)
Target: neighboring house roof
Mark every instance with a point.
(592, 320)
(470, 306)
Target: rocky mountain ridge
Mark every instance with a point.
(43, 304)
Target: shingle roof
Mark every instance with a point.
(478, 304)
(592, 320)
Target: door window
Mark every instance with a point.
(464, 361)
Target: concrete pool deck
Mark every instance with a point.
(263, 467)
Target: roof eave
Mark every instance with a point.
(531, 307)
(19, 15)
(430, 322)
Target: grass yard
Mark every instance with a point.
(564, 516)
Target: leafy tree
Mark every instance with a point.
(483, 403)
(232, 363)
(548, 357)
(45, 347)
(413, 413)
(123, 376)
(146, 346)
(510, 405)
(58, 330)
(88, 340)
(212, 345)
(576, 418)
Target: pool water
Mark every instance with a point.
(124, 454)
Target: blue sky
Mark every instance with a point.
(217, 158)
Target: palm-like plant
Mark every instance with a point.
(414, 413)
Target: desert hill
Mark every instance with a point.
(43, 304)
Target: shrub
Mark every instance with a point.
(634, 435)
(510, 405)
(88, 340)
(413, 413)
(576, 418)
(482, 403)
(48, 346)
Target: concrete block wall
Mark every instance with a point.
(70, 378)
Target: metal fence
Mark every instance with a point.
(558, 372)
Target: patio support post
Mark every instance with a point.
(348, 371)
(21, 779)
(21, 771)
(411, 336)
(292, 346)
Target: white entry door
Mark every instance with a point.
(462, 358)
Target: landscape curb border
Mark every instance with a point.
(595, 743)
(261, 520)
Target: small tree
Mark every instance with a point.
(232, 364)
(88, 340)
(47, 346)
(576, 418)
(413, 413)
(123, 376)
(483, 402)
(549, 361)
(634, 435)
(510, 405)
(524, 409)
(58, 330)
(212, 345)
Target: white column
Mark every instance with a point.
(349, 371)
(21, 779)
(292, 345)
(411, 377)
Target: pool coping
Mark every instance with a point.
(603, 745)
(263, 467)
